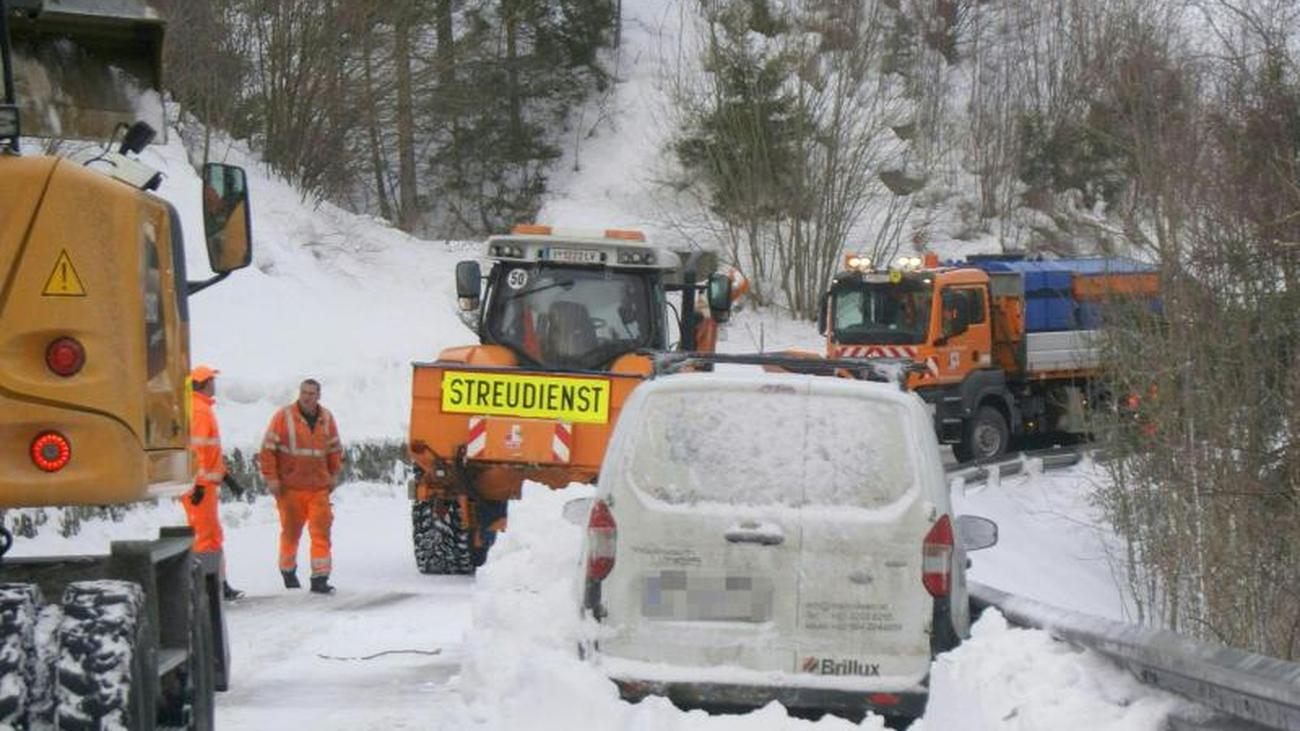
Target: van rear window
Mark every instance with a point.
(745, 447)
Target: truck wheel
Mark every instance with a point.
(986, 437)
(187, 699)
(19, 605)
(442, 544)
(106, 662)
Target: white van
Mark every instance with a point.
(772, 536)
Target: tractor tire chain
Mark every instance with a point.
(442, 543)
(98, 664)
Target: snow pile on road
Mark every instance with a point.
(1006, 678)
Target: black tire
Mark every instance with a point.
(986, 436)
(442, 543)
(19, 609)
(187, 697)
(106, 661)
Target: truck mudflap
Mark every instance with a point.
(161, 603)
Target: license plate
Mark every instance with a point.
(577, 400)
(576, 256)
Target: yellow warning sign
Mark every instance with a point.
(63, 281)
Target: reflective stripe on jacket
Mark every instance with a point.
(298, 456)
(205, 441)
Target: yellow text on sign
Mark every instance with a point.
(580, 400)
(63, 281)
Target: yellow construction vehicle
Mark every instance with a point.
(94, 356)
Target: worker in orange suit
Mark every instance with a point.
(201, 502)
(301, 460)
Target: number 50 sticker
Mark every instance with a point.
(517, 278)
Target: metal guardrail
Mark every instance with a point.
(1251, 688)
(1254, 690)
(1052, 458)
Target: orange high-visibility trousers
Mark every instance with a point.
(313, 508)
(204, 519)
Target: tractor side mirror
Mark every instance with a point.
(823, 314)
(976, 533)
(719, 297)
(227, 222)
(469, 282)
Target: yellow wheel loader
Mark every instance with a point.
(94, 356)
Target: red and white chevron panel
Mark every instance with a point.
(477, 441)
(875, 351)
(562, 442)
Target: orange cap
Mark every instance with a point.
(202, 373)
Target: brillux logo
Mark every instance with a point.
(827, 666)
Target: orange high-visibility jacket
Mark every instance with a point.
(299, 457)
(205, 441)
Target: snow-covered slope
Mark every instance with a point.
(331, 295)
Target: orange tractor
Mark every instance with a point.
(568, 324)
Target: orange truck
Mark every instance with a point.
(999, 347)
(568, 323)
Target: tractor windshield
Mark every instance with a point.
(887, 313)
(568, 317)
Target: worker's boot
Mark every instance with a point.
(321, 585)
(230, 593)
(290, 580)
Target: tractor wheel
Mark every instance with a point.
(188, 694)
(106, 664)
(442, 543)
(987, 436)
(19, 608)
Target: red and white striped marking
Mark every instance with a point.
(477, 442)
(932, 364)
(562, 442)
(875, 351)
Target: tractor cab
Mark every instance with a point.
(580, 300)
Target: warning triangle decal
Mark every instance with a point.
(63, 281)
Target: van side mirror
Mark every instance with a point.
(719, 297)
(976, 533)
(469, 283)
(227, 222)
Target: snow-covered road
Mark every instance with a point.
(295, 655)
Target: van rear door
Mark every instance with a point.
(863, 611)
(708, 528)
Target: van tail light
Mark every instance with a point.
(936, 558)
(602, 537)
(65, 357)
(51, 451)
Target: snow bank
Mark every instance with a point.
(1006, 678)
